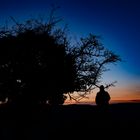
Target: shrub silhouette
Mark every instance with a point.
(37, 63)
(32, 63)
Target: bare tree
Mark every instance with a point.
(90, 59)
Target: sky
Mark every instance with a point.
(116, 21)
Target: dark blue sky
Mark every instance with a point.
(117, 21)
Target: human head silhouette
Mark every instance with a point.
(102, 87)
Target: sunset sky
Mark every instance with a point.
(116, 21)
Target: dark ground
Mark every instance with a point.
(67, 121)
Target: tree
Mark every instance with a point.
(90, 60)
(38, 64)
(32, 63)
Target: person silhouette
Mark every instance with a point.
(102, 97)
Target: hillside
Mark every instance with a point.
(68, 119)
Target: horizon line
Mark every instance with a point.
(111, 102)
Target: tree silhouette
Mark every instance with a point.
(32, 62)
(90, 61)
(38, 64)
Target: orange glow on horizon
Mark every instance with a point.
(118, 95)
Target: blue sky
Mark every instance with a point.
(116, 21)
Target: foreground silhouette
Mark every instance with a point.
(48, 122)
(102, 98)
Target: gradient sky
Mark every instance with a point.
(116, 21)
